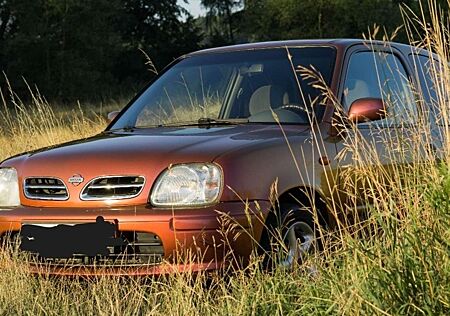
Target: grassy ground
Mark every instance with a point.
(395, 263)
(405, 270)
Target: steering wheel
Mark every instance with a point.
(297, 109)
(293, 107)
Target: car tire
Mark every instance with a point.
(290, 235)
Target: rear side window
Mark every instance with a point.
(381, 75)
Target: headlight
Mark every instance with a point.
(9, 187)
(193, 184)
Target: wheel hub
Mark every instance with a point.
(299, 241)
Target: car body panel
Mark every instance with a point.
(104, 155)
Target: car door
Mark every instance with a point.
(371, 153)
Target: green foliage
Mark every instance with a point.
(220, 17)
(163, 29)
(290, 19)
(68, 48)
(75, 49)
(414, 276)
(81, 49)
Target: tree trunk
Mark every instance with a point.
(230, 24)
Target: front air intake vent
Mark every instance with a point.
(113, 188)
(45, 188)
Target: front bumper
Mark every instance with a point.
(192, 239)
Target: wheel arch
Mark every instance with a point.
(309, 198)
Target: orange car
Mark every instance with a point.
(186, 168)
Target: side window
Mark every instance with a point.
(381, 75)
(427, 71)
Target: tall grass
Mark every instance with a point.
(396, 261)
(36, 124)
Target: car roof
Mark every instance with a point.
(340, 43)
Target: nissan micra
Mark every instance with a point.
(197, 166)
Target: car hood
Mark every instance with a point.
(145, 152)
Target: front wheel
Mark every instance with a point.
(289, 237)
(299, 241)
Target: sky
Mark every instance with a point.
(193, 6)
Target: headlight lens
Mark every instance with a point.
(194, 184)
(9, 187)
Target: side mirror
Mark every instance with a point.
(112, 115)
(366, 110)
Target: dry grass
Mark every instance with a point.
(28, 126)
(395, 262)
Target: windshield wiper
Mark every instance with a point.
(212, 121)
(206, 122)
(201, 122)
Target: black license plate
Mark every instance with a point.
(66, 241)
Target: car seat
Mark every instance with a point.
(267, 97)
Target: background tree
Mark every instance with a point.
(7, 27)
(163, 29)
(85, 49)
(67, 48)
(6, 20)
(290, 19)
(82, 49)
(220, 16)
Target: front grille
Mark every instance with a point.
(113, 188)
(140, 249)
(45, 188)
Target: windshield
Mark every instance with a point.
(244, 86)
